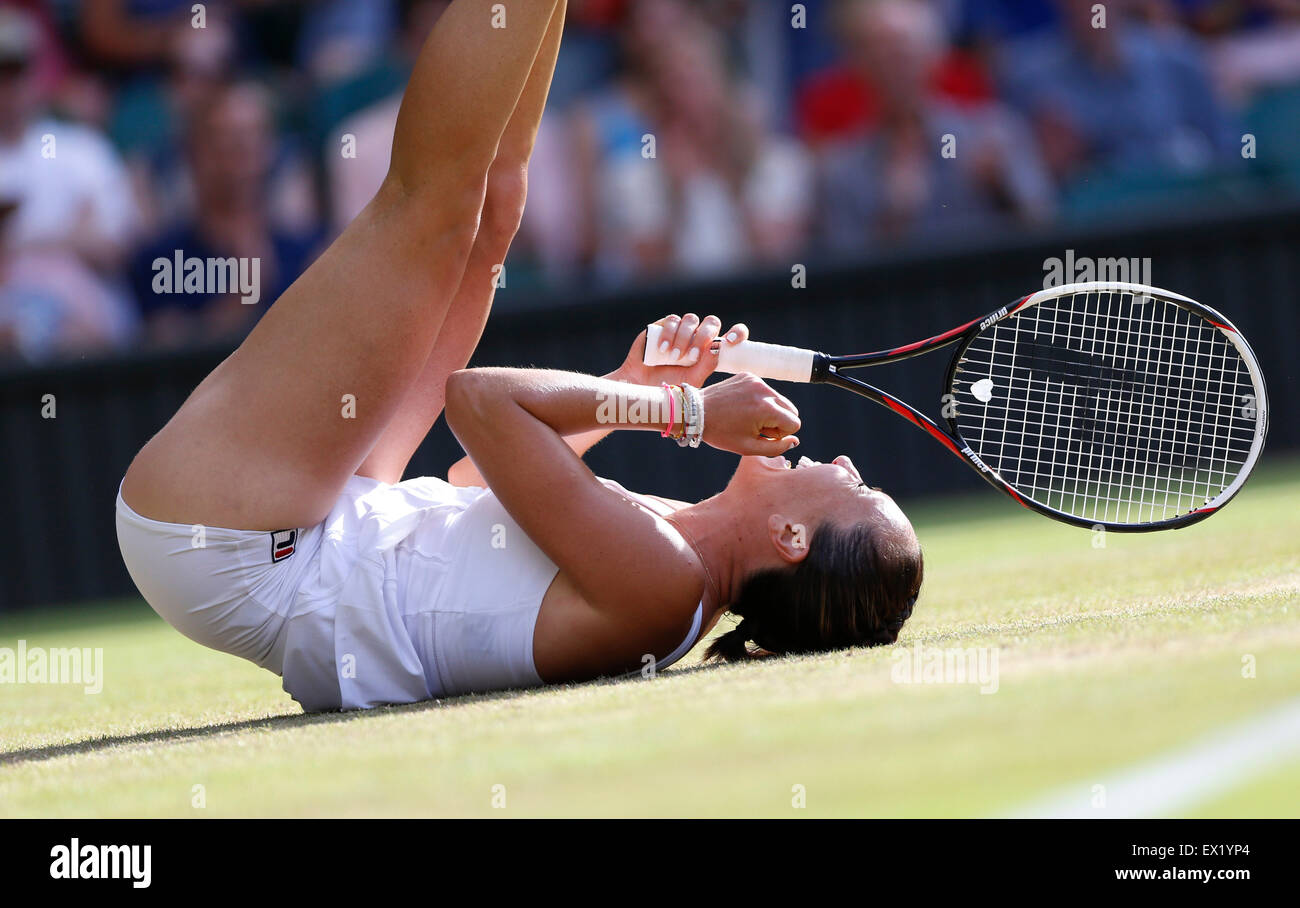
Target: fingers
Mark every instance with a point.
(744, 415)
(679, 351)
(705, 334)
(770, 447)
(779, 412)
(785, 404)
(781, 421)
(686, 338)
(666, 337)
(739, 332)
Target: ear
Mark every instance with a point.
(789, 538)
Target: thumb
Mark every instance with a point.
(774, 446)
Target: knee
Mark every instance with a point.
(503, 204)
(444, 215)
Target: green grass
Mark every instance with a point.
(1109, 656)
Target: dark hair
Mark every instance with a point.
(855, 587)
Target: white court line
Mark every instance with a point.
(1161, 787)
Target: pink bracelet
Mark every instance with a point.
(672, 411)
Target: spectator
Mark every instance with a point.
(229, 145)
(68, 216)
(1255, 44)
(929, 167)
(51, 304)
(151, 115)
(988, 22)
(841, 101)
(1122, 98)
(720, 191)
(354, 180)
(589, 56)
(338, 38)
(133, 35)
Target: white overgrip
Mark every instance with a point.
(773, 361)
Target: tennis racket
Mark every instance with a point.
(1103, 404)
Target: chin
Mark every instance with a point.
(759, 467)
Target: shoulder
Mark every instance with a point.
(655, 503)
(575, 639)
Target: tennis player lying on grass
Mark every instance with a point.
(524, 568)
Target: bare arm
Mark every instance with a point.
(464, 473)
(622, 559)
(686, 333)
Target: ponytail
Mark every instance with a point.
(855, 587)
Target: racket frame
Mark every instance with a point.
(831, 370)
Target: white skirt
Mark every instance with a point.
(400, 595)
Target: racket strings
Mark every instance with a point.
(1108, 406)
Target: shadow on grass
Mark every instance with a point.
(300, 720)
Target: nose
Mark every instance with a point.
(843, 461)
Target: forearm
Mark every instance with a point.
(464, 473)
(483, 405)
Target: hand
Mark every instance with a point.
(694, 338)
(745, 416)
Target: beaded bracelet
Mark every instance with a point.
(692, 417)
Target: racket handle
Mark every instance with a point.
(764, 360)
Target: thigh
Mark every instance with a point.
(459, 335)
(270, 437)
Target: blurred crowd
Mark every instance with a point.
(682, 138)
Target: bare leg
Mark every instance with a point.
(270, 437)
(507, 188)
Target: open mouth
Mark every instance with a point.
(775, 463)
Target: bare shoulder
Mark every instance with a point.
(658, 504)
(575, 640)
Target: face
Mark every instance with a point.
(231, 148)
(689, 75)
(895, 45)
(810, 492)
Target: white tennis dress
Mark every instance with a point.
(405, 592)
